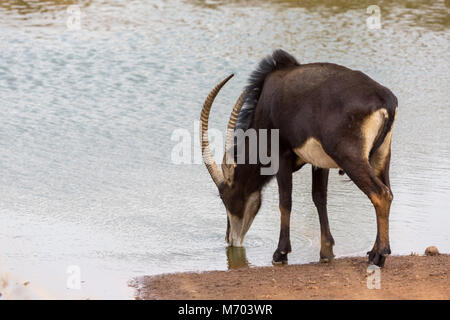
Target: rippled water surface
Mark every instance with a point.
(87, 118)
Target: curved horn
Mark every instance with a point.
(233, 119)
(228, 164)
(208, 159)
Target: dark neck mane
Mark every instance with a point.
(248, 176)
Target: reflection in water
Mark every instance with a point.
(236, 257)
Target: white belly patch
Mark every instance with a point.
(312, 152)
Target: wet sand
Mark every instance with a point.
(403, 277)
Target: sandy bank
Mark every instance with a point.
(403, 277)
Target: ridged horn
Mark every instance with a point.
(208, 159)
(232, 124)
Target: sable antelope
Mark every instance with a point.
(328, 116)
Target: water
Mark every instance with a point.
(87, 118)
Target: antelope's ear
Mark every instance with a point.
(228, 173)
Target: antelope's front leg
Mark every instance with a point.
(284, 179)
(319, 194)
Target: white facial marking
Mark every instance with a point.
(239, 227)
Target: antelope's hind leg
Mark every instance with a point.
(319, 195)
(379, 193)
(380, 163)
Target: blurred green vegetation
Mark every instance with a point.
(339, 4)
(423, 12)
(427, 13)
(30, 6)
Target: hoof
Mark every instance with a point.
(279, 257)
(327, 256)
(326, 260)
(279, 263)
(378, 258)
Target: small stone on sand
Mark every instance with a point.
(432, 251)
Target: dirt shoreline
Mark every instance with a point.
(403, 277)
